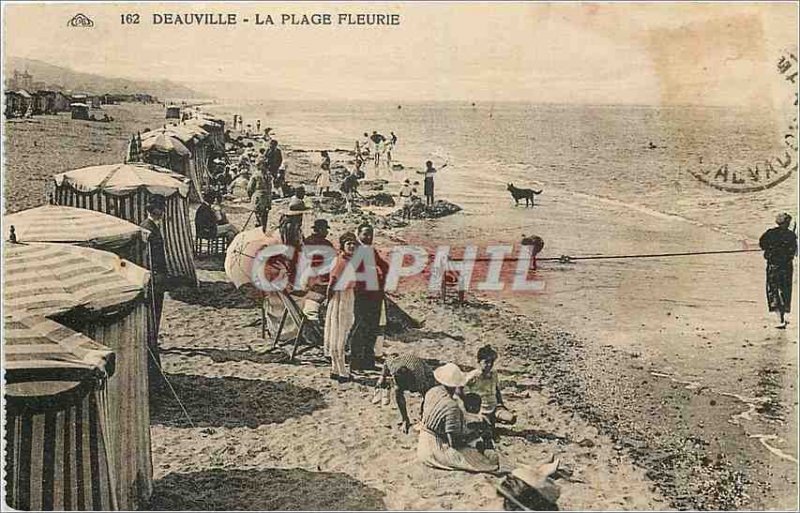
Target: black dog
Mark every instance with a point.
(519, 194)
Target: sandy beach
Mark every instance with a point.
(648, 378)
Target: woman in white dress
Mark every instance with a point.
(340, 315)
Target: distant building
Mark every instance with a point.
(19, 80)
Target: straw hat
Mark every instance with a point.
(450, 375)
(538, 478)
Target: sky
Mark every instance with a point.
(611, 53)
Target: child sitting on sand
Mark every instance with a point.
(484, 382)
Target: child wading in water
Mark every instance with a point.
(484, 382)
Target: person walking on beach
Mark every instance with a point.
(260, 191)
(340, 314)
(258, 125)
(429, 173)
(323, 178)
(368, 303)
(390, 144)
(780, 247)
(377, 146)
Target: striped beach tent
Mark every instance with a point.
(57, 419)
(105, 298)
(123, 190)
(181, 149)
(81, 227)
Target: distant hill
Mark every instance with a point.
(69, 79)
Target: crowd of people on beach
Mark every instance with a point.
(460, 411)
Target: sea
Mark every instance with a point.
(640, 156)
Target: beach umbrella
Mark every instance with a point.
(122, 179)
(50, 279)
(39, 349)
(79, 226)
(241, 253)
(165, 142)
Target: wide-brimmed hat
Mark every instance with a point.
(321, 223)
(450, 375)
(539, 479)
(297, 207)
(782, 218)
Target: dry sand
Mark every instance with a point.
(272, 435)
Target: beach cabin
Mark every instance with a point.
(60, 102)
(173, 112)
(39, 103)
(14, 105)
(55, 393)
(26, 102)
(123, 190)
(79, 111)
(106, 299)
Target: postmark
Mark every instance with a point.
(769, 172)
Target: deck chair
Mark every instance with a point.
(306, 329)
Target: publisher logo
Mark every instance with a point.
(80, 21)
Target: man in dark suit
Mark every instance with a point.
(158, 268)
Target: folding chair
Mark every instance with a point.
(291, 309)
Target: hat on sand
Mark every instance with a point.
(538, 478)
(783, 218)
(450, 375)
(297, 207)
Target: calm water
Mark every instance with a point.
(602, 151)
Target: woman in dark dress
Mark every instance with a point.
(780, 246)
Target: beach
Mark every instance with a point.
(660, 383)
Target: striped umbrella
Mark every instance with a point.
(38, 349)
(164, 141)
(55, 278)
(68, 225)
(123, 179)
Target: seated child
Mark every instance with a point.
(484, 382)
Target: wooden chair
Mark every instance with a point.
(206, 231)
(307, 330)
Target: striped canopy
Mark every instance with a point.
(124, 179)
(49, 279)
(68, 225)
(38, 349)
(164, 141)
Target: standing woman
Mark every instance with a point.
(780, 246)
(324, 175)
(429, 172)
(340, 315)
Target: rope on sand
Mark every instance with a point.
(565, 259)
(174, 393)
